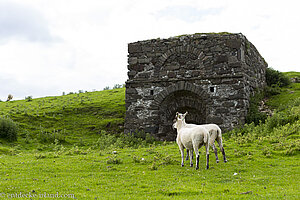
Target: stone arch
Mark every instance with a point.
(180, 50)
(181, 57)
(180, 85)
(179, 97)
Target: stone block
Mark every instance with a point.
(137, 68)
(234, 43)
(215, 120)
(217, 49)
(131, 91)
(144, 60)
(222, 110)
(221, 59)
(134, 48)
(131, 73)
(172, 67)
(228, 104)
(132, 60)
(232, 59)
(171, 74)
(151, 129)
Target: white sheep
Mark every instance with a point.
(192, 139)
(215, 135)
(9, 97)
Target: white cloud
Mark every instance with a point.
(53, 46)
(188, 14)
(22, 22)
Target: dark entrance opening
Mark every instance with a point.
(180, 101)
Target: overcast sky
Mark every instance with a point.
(48, 47)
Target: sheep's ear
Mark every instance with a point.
(176, 114)
(185, 113)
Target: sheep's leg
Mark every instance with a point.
(191, 157)
(197, 161)
(222, 149)
(187, 154)
(207, 155)
(212, 140)
(182, 154)
(216, 152)
(197, 156)
(223, 152)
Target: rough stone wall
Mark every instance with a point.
(212, 76)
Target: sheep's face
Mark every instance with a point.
(178, 117)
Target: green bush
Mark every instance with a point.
(282, 118)
(282, 123)
(274, 77)
(28, 99)
(254, 115)
(45, 136)
(271, 91)
(114, 160)
(8, 129)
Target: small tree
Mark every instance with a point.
(116, 86)
(106, 88)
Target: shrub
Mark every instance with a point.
(28, 99)
(274, 77)
(51, 136)
(254, 115)
(283, 118)
(271, 91)
(105, 140)
(7, 151)
(114, 160)
(116, 86)
(8, 129)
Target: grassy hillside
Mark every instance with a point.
(64, 149)
(68, 118)
(287, 94)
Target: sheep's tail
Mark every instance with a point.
(219, 132)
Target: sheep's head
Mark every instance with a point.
(179, 117)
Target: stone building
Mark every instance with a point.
(212, 76)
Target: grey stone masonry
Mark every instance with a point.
(212, 76)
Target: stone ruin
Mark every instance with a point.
(212, 76)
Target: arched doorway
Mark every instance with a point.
(180, 101)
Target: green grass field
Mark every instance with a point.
(65, 150)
